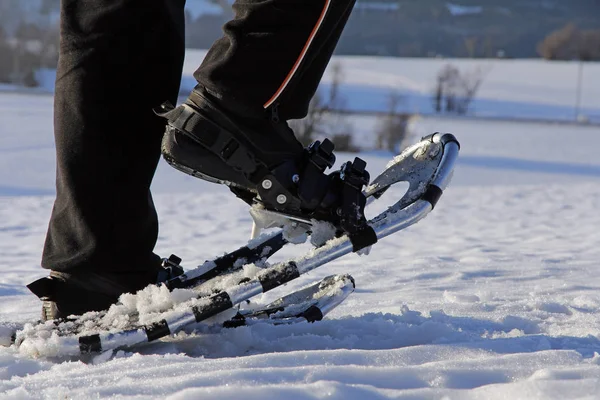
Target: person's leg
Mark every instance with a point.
(307, 82)
(273, 53)
(118, 60)
(261, 73)
(233, 127)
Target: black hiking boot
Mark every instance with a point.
(261, 161)
(77, 292)
(221, 148)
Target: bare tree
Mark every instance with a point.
(445, 91)
(335, 124)
(438, 95)
(324, 118)
(469, 83)
(308, 127)
(392, 129)
(335, 100)
(6, 54)
(455, 90)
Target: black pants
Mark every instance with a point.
(121, 58)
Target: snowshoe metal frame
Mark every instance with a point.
(309, 304)
(260, 248)
(427, 166)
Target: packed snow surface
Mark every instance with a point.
(495, 295)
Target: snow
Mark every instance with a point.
(524, 88)
(495, 295)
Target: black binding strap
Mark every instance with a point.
(312, 314)
(364, 238)
(449, 138)
(354, 177)
(234, 323)
(432, 195)
(277, 278)
(444, 138)
(219, 141)
(157, 330)
(218, 303)
(90, 344)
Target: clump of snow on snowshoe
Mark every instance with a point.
(147, 303)
(43, 340)
(322, 231)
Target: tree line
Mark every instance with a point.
(433, 28)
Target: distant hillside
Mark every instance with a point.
(406, 28)
(425, 28)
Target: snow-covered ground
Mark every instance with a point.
(525, 88)
(511, 89)
(495, 295)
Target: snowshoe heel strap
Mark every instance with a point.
(44, 288)
(219, 141)
(170, 269)
(61, 299)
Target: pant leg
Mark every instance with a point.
(118, 59)
(273, 53)
(297, 96)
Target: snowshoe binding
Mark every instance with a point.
(262, 162)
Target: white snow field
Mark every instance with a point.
(495, 295)
(525, 88)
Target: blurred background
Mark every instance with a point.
(402, 69)
(496, 295)
(525, 59)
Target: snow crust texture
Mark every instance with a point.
(495, 295)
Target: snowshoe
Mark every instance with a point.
(218, 285)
